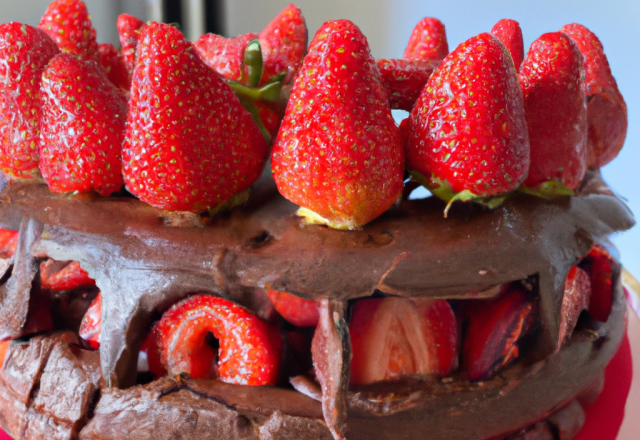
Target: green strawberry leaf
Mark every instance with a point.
(547, 190)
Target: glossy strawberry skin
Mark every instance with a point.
(69, 24)
(298, 311)
(339, 152)
(24, 52)
(601, 269)
(576, 297)
(129, 30)
(72, 276)
(8, 243)
(224, 55)
(509, 33)
(189, 145)
(396, 338)
(250, 349)
(83, 118)
(405, 79)
(468, 126)
(114, 66)
(92, 323)
(552, 80)
(284, 45)
(428, 41)
(607, 111)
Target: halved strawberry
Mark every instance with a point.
(71, 276)
(129, 29)
(428, 41)
(577, 293)
(493, 330)
(8, 243)
(250, 349)
(92, 323)
(509, 33)
(405, 79)
(601, 267)
(394, 338)
(114, 66)
(298, 311)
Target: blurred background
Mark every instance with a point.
(388, 24)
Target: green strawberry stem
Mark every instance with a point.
(268, 92)
(227, 205)
(547, 190)
(253, 111)
(253, 62)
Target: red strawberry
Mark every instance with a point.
(600, 267)
(8, 243)
(149, 352)
(71, 276)
(577, 292)
(405, 79)
(269, 118)
(129, 29)
(69, 24)
(114, 66)
(468, 135)
(224, 55)
(83, 118)
(493, 331)
(24, 53)
(4, 349)
(393, 338)
(428, 41)
(250, 349)
(509, 33)
(284, 45)
(607, 111)
(190, 146)
(298, 311)
(552, 80)
(92, 323)
(338, 152)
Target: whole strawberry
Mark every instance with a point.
(509, 33)
(83, 118)
(24, 53)
(428, 41)
(129, 29)
(69, 24)
(552, 80)
(606, 109)
(114, 66)
(405, 79)
(468, 137)
(189, 146)
(338, 153)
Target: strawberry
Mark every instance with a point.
(129, 29)
(69, 24)
(114, 66)
(338, 153)
(428, 41)
(24, 53)
(577, 293)
(250, 349)
(298, 311)
(469, 137)
(224, 55)
(69, 277)
(189, 146)
(394, 338)
(552, 80)
(606, 109)
(8, 243)
(83, 117)
(4, 349)
(92, 323)
(405, 79)
(600, 268)
(284, 45)
(493, 330)
(149, 352)
(509, 33)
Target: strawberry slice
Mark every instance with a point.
(600, 268)
(509, 33)
(469, 138)
(339, 154)
(24, 53)
(224, 55)
(114, 66)
(428, 41)
(552, 80)
(395, 338)
(71, 276)
(8, 243)
(298, 311)
(607, 111)
(92, 323)
(250, 349)
(493, 331)
(69, 24)
(577, 293)
(129, 29)
(405, 79)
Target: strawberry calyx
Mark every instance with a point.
(547, 190)
(230, 203)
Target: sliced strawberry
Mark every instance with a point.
(250, 349)
(284, 45)
(129, 29)
(69, 24)
(395, 338)
(601, 268)
(338, 154)
(8, 243)
(509, 33)
(114, 66)
(298, 311)
(149, 349)
(224, 55)
(405, 79)
(428, 41)
(493, 331)
(92, 323)
(71, 276)
(577, 293)
(24, 53)
(552, 80)
(607, 111)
